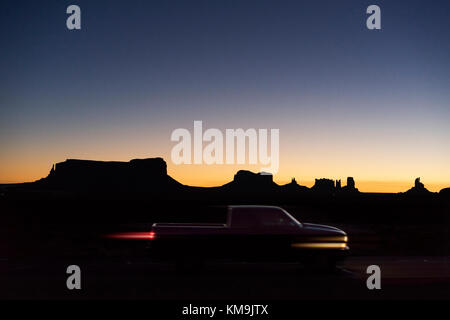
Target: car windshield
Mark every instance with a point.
(292, 219)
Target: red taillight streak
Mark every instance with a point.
(132, 235)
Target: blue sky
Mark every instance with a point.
(344, 97)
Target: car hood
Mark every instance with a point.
(321, 227)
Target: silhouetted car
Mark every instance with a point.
(251, 233)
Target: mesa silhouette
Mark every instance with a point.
(149, 176)
(89, 175)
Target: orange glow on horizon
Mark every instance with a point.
(372, 172)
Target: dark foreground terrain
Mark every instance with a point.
(402, 278)
(42, 234)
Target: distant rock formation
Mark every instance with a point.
(293, 187)
(324, 186)
(244, 176)
(328, 186)
(418, 185)
(140, 176)
(418, 189)
(137, 174)
(350, 183)
(350, 187)
(249, 181)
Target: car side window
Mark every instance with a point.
(274, 218)
(261, 218)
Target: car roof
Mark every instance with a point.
(254, 206)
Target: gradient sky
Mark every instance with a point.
(348, 101)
